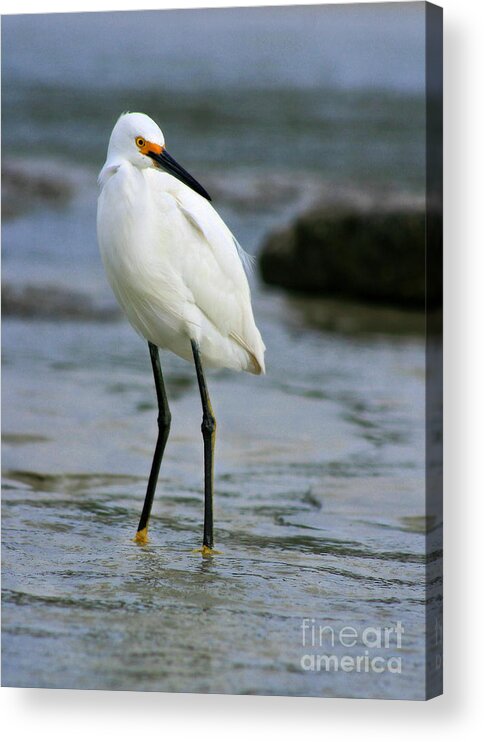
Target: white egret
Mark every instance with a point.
(178, 273)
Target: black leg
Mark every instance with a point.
(164, 422)
(208, 431)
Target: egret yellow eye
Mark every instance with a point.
(140, 142)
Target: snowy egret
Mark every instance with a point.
(178, 273)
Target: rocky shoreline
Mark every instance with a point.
(54, 303)
(26, 184)
(372, 251)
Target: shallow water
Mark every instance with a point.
(320, 510)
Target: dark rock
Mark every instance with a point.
(28, 184)
(53, 303)
(368, 254)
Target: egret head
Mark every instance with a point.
(135, 138)
(139, 140)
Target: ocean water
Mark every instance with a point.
(334, 91)
(320, 469)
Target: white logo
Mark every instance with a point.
(369, 639)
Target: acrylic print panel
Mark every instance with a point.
(317, 133)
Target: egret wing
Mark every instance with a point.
(213, 271)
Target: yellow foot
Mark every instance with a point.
(206, 551)
(141, 537)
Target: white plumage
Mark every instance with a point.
(173, 264)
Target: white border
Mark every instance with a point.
(80, 715)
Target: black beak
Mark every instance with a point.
(166, 161)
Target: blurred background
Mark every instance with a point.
(287, 116)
